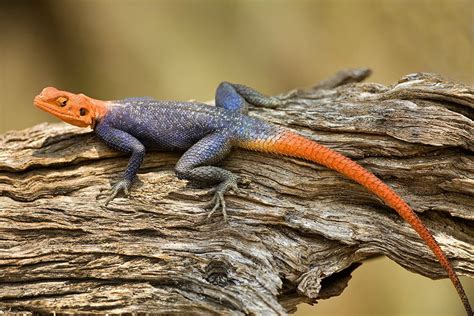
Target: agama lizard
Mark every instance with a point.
(206, 134)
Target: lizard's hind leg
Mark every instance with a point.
(235, 97)
(196, 165)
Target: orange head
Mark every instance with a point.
(76, 109)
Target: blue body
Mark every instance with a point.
(176, 126)
(206, 133)
(171, 125)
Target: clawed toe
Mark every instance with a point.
(218, 201)
(123, 185)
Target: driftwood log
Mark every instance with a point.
(296, 230)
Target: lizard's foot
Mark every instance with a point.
(218, 199)
(275, 103)
(123, 185)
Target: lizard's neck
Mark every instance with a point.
(100, 108)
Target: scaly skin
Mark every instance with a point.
(206, 134)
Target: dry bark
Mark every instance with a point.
(295, 231)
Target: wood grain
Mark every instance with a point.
(295, 231)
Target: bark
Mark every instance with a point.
(296, 230)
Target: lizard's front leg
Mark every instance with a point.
(195, 165)
(124, 142)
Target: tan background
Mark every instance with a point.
(183, 49)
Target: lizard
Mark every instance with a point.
(206, 134)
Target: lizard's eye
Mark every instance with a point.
(62, 101)
(82, 111)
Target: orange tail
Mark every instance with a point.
(291, 144)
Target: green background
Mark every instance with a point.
(183, 49)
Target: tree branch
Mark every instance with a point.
(295, 232)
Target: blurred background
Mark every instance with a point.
(110, 49)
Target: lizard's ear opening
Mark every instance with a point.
(83, 111)
(62, 101)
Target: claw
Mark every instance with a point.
(218, 201)
(123, 185)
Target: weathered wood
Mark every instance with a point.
(295, 230)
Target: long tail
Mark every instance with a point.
(287, 143)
